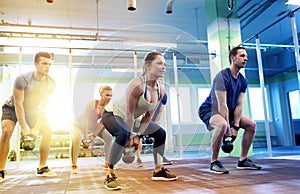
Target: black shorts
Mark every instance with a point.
(9, 113)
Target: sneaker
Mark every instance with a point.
(105, 166)
(74, 169)
(139, 163)
(217, 168)
(163, 175)
(166, 161)
(247, 164)
(45, 171)
(2, 172)
(111, 182)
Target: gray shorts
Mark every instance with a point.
(9, 113)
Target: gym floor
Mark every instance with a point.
(280, 174)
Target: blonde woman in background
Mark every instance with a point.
(88, 126)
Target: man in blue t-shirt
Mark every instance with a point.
(222, 111)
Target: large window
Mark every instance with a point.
(256, 103)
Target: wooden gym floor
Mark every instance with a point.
(279, 175)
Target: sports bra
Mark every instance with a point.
(145, 89)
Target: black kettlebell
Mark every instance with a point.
(28, 144)
(227, 144)
(149, 140)
(128, 155)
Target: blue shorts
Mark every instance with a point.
(206, 113)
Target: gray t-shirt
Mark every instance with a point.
(35, 92)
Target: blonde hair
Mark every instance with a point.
(104, 88)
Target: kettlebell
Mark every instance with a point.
(129, 155)
(28, 144)
(227, 144)
(149, 140)
(86, 144)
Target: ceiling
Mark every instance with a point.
(113, 27)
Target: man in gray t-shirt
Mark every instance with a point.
(27, 107)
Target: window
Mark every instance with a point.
(256, 103)
(184, 104)
(294, 104)
(202, 94)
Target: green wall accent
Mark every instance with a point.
(194, 139)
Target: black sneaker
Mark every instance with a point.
(45, 171)
(247, 164)
(166, 161)
(111, 182)
(163, 175)
(2, 172)
(217, 168)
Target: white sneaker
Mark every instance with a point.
(45, 171)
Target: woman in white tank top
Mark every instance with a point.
(143, 95)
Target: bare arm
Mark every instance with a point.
(133, 93)
(222, 104)
(89, 107)
(238, 110)
(149, 115)
(19, 108)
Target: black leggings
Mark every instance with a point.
(116, 126)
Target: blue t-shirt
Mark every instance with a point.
(224, 81)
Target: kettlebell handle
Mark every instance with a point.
(232, 138)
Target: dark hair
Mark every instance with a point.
(233, 52)
(41, 54)
(151, 56)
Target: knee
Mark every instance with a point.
(123, 137)
(7, 132)
(252, 127)
(163, 133)
(222, 127)
(160, 134)
(46, 133)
